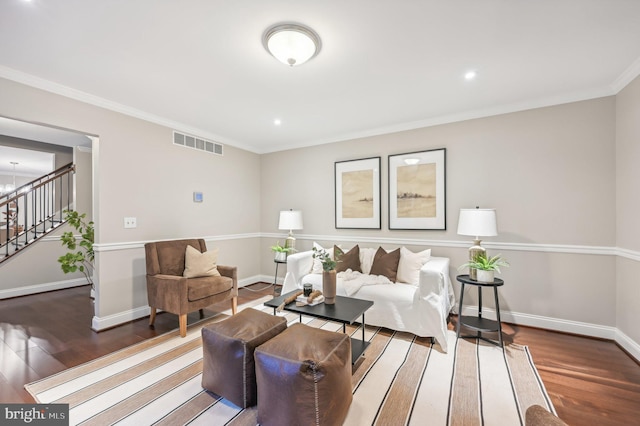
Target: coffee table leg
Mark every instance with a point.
(363, 326)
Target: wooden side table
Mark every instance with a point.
(481, 325)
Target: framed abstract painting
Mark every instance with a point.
(417, 190)
(357, 189)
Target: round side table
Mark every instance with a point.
(481, 325)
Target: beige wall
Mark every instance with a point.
(628, 208)
(142, 174)
(552, 173)
(549, 172)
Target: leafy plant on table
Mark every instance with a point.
(280, 249)
(81, 255)
(328, 264)
(485, 263)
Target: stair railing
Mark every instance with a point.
(33, 210)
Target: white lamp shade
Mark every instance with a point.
(290, 220)
(478, 222)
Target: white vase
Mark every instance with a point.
(484, 276)
(281, 256)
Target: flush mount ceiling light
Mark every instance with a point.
(291, 44)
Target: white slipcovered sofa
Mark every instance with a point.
(420, 307)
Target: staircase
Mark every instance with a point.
(34, 210)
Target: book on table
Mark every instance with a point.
(304, 300)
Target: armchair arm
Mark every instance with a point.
(168, 292)
(231, 272)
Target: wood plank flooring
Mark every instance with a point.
(590, 381)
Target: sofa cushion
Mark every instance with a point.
(348, 260)
(198, 264)
(410, 265)
(386, 263)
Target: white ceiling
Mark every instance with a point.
(199, 65)
(30, 163)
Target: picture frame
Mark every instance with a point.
(358, 193)
(417, 190)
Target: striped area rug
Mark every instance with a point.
(403, 380)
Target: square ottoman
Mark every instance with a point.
(228, 367)
(304, 377)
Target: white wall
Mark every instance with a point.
(549, 172)
(628, 206)
(141, 173)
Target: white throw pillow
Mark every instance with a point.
(410, 265)
(316, 267)
(198, 264)
(366, 259)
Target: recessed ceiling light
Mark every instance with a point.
(277, 122)
(470, 75)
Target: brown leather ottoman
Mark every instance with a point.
(228, 365)
(304, 377)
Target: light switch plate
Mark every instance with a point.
(130, 222)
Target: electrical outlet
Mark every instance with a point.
(130, 222)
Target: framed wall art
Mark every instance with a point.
(417, 190)
(358, 194)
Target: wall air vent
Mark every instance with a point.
(197, 143)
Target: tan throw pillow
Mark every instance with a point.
(410, 265)
(386, 264)
(348, 260)
(198, 264)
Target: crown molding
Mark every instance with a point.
(453, 118)
(78, 95)
(626, 77)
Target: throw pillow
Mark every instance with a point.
(410, 265)
(198, 264)
(386, 264)
(316, 266)
(348, 260)
(366, 259)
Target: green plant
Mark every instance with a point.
(82, 259)
(280, 249)
(328, 264)
(485, 263)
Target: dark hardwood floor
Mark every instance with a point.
(590, 381)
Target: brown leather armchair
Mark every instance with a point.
(168, 290)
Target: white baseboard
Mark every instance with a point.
(41, 288)
(102, 323)
(628, 344)
(548, 323)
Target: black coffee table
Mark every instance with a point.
(346, 310)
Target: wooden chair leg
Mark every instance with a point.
(183, 325)
(234, 305)
(201, 313)
(152, 316)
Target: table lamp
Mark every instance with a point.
(477, 223)
(291, 220)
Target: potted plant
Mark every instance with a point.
(486, 267)
(81, 260)
(328, 275)
(281, 252)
